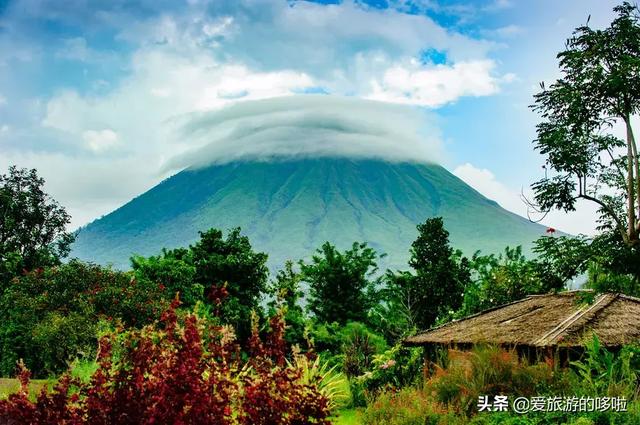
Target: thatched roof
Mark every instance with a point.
(560, 319)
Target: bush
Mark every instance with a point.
(396, 368)
(332, 384)
(166, 374)
(562, 418)
(50, 316)
(354, 340)
(603, 373)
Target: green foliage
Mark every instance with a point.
(498, 280)
(555, 418)
(340, 285)
(437, 287)
(287, 293)
(333, 342)
(32, 227)
(331, 383)
(174, 270)
(51, 316)
(599, 85)
(225, 272)
(560, 259)
(359, 347)
(409, 406)
(396, 368)
(231, 264)
(83, 369)
(602, 373)
(603, 280)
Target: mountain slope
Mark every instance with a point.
(289, 208)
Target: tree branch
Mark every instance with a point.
(619, 226)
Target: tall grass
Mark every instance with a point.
(409, 406)
(491, 371)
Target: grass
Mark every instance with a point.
(347, 417)
(9, 386)
(83, 369)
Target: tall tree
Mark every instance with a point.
(288, 296)
(436, 288)
(599, 87)
(341, 288)
(226, 271)
(32, 225)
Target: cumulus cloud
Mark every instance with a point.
(308, 125)
(583, 220)
(436, 85)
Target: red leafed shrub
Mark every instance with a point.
(167, 374)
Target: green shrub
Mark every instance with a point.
(603, 373)
(332, 384)
(351, 347)
(395, 368)
(50, 316)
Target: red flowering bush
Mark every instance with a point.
(168, 373)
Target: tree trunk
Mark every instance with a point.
(631, 205)
(636, 162)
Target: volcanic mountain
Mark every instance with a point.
(288, 208)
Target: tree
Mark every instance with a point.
(226, 273)
(233, 275)
(498, 280)
(32, 225)
(174, 270)
(600, 88)
(339, 282)
(287, 297)
(436, 288)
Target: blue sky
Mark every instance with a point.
(91, 91)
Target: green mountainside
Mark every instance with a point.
(289, 208)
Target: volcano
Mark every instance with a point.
(289, 208)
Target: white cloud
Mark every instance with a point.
(435, 85)
(308, 126)
(3, 100)
(101, 140)
(499, 5)
(87, 187)
(343, 47)
(583, 220)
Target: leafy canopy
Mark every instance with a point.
(32, 225)
(436, 288)
(224, 272)
(599, 87)
(340, 284)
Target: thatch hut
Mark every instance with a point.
(548, 324)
